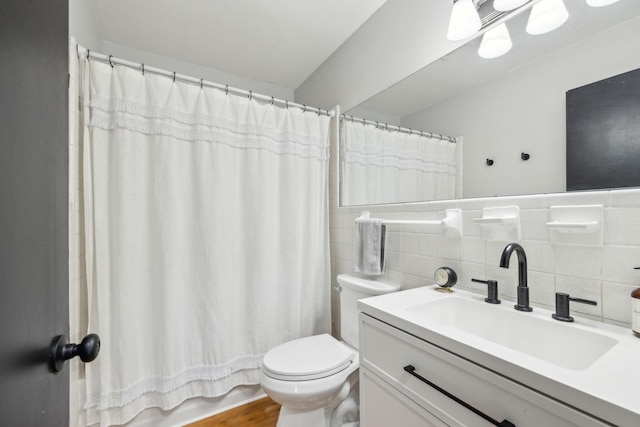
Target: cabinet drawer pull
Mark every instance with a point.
(504, 423)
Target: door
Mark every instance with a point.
(33, 210)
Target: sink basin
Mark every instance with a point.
(559, 343)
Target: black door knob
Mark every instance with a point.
(61, 350)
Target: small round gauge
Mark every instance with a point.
(445, 277)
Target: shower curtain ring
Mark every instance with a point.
(174, 76)
(201, 83)
(226, 89)
(319, 111)
(272, 100)
(111, 63)
(250, 95)
(142, 68)
(286, 104)
(88, 50)
(304, 108)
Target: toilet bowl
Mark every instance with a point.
(315, 379)
(309, 377)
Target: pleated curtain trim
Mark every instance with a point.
(207, 244)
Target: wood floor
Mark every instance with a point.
(260, 413)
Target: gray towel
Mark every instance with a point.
(370, 246)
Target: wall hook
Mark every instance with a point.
(525, 156)
(489, 162)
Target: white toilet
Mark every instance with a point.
(315, 378)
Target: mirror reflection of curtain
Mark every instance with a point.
(386, 166)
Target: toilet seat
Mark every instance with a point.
(308, 358)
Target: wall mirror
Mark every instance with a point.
(505, 107)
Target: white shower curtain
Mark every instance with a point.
(387, 166)
(206, 224)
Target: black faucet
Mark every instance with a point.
(562, 306)
(492, 290)
(523, 289)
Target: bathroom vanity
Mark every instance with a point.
(434, 359)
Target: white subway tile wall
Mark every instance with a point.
(604, 274)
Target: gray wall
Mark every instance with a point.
(401, 38)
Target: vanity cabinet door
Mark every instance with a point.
(383, 406)
(385, 351)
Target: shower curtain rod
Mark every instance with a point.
(111, 60)
(400, 129)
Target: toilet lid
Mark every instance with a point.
(307, 358)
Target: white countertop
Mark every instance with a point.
(608, 389)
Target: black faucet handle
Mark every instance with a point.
(492, 290)
(562, 306)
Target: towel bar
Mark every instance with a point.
(452, 222)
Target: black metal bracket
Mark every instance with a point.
(504, 423)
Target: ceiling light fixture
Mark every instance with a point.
(505, 5)
(495, 42)
(600, 3)
(464, 21)
(470, 16)
(546, 16)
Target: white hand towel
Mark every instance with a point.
(370, 246)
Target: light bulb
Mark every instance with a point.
(546, 16)
(495, 42)
(600, 3)
(464, 21)
(505, 5)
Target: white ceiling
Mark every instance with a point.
(275, 41)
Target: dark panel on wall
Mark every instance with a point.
(603, 134)
(34, 166)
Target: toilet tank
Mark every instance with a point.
(353, 288)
